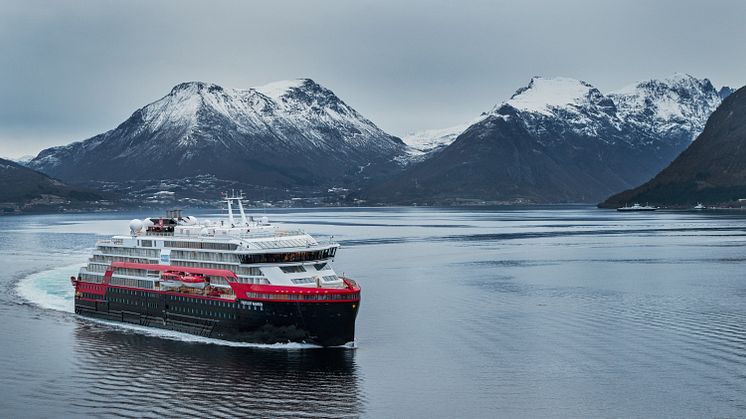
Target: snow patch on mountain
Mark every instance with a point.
(676, 105)
(276, 90)
(543, 95)
(423, 142)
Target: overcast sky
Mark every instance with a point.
(72, 69)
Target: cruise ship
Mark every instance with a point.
(241, 279)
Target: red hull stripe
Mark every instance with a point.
(253, 292)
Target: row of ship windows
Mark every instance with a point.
(244, 280)
(301, 268)
(99, 264)
(97, 267)
(136, 272)
(133, 302)
(288, 257)
(328, 278)
(278, 244)
(133, 292)
(215, 303)
(131, 282)
(96, 279)
(200, 245)
(211, 256)
(108, 259)
(312, 297)
(195, 311)
(129, 251)
(242, 270)
(175, 254)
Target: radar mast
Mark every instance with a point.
(238, 198)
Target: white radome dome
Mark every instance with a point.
(265, 220)
(204, 232)
(135, 226)
(147, 223)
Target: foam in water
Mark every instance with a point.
(52, 290)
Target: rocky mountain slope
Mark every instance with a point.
(25, 190)
(560, 140)
(712, 170)
(287, 134)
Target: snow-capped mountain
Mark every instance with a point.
(672, 109)
(284, 134)
(560, 140)
(712, 170)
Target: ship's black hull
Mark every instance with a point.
(320, 323)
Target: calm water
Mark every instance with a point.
(567, 311)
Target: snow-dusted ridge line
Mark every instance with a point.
(297, 130)
(677, 103)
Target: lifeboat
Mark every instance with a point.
(171, 280)
(194, 281)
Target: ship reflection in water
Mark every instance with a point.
(130, 373)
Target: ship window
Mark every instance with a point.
(288, 257)
(320, 266)
(302, 280)
(293, 269)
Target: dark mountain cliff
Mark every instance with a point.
(712, 170)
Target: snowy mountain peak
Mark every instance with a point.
(278, 89)
(672, 109)
(542, 95)
(292, 124)
(681, 83)
(676, 105)
(192, 88)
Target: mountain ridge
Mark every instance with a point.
(25, 190)
(283, 134)
(440, 138)
(574, 137)
(711, 170)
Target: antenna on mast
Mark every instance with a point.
(240, 208)
(238, 198)
(229, 199)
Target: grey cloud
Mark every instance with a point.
(72, 69)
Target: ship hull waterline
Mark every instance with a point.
(262, 322)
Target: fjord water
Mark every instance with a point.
(518, 312)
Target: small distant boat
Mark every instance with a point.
(636, 208)
(699, 206)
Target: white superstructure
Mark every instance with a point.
(257, 251)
